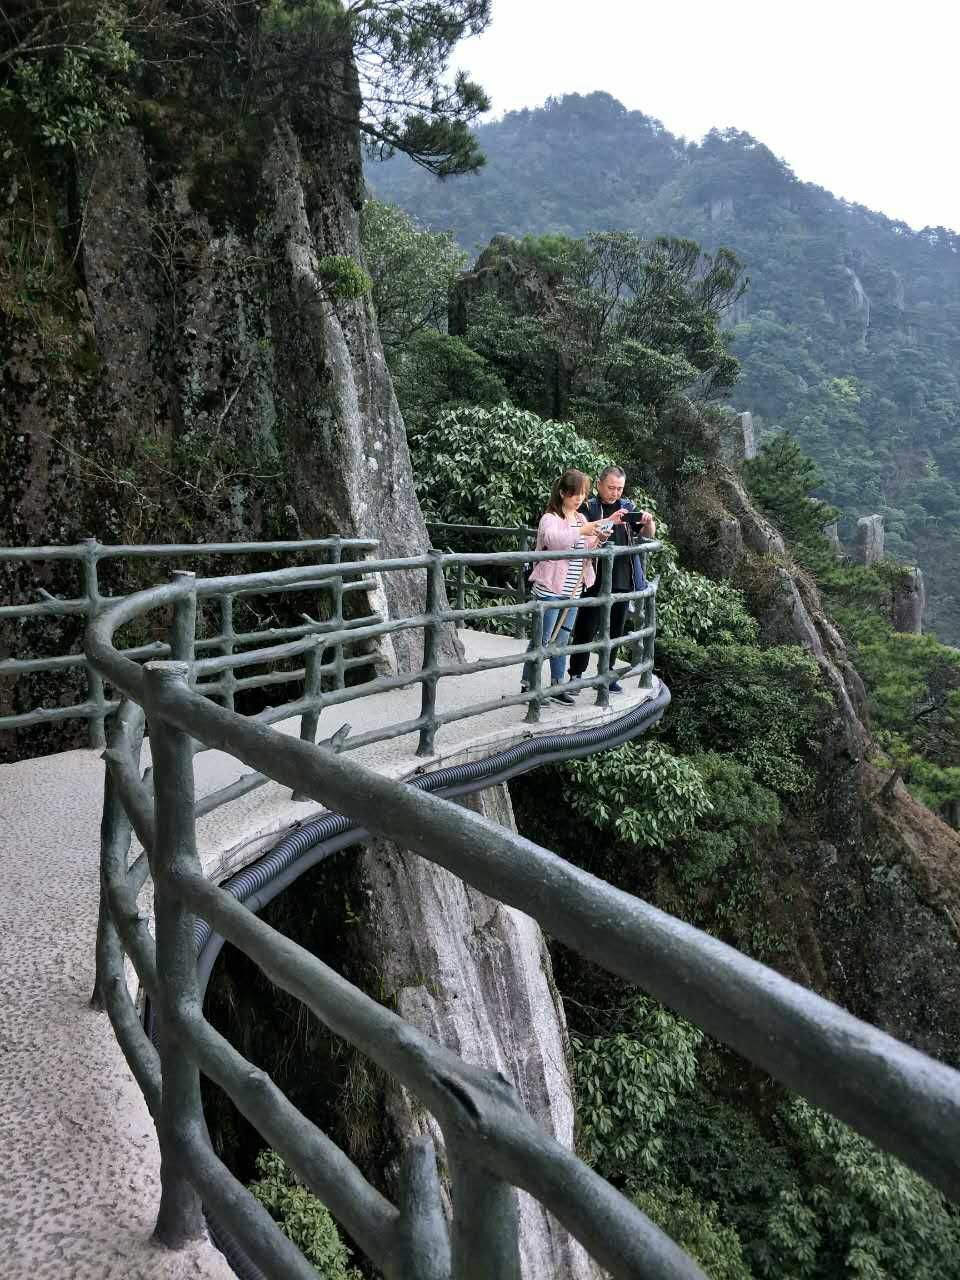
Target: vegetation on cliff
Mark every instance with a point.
(719, 815)
(848, 336)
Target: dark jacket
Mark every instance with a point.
(593, 510)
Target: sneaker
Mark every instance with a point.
(615, 686)
(573, 692)
(560, 695)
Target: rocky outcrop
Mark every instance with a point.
(504, 273)
(908, 600)
(832, 534)
(206, 382)
(476, 976)
(722, 533)
(739, 441)
(861, 305)
(869, 545)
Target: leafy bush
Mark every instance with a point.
(763, 707)
(495, 466)
(411, 270)
(877, 1220)
(343, 277)
(695, 1227)
(627, 1083)
(692, 607)
(433, 372)
(642, 792)
(69, 82)
(301, 1217)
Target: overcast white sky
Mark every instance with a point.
(859, 96)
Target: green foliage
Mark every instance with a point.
(495, 466)
(301, 1217)
(694, 1226)
(642, 792)
(411, 272)
(691, 606)
(434, 371)
(66, 75)
(913, 682)
(875, 399)
(605, 329)
(781, 480)
(763, 707)
(401, 49)
(627, 1083)
(876, 1220)
(342, 277)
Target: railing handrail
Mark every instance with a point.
(89, 553)
(898, 1097)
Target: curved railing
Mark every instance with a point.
(904, 1101)
(89, 555)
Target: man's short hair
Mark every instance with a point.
(611, 471)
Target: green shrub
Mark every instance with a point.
(301, 1217)
(695, 1227)
(692, 607)
(627, 1083)
(342, 277)
(495, 466)
(642, 792)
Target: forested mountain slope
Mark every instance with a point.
(849, 335)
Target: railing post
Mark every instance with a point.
(431, 648)
(523, 544)
(461, 585)
(485, 1222)
(91, 588)
(649, 641)
(180, 1218)
(603, 655)
(183, 632)
(336, 557)
(312, 681)
(536, 668)
(227, 634)
(423, 1238)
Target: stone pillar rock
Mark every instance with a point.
(869, 548)
(909, 598)
(475, 975)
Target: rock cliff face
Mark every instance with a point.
(476, 976)
(876, 876)
(908, 603)
(207, 379)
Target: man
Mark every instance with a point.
(627, 570)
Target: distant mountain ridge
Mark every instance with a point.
(849, 335)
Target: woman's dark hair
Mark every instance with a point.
(572, 481)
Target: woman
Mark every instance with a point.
(563, 528)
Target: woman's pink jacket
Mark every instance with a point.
(555, 534)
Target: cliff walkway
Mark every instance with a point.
(223, 807)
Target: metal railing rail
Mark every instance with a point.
(324, 684)
(459, 585)
(894, 1095)
(89, 554)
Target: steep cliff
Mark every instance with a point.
(202, 371)
(873, 877)
(476, 976)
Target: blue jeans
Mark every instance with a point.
(558, 662)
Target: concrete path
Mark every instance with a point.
(79, 1174)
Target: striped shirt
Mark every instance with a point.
(573, 578)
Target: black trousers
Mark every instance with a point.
(588, 624)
